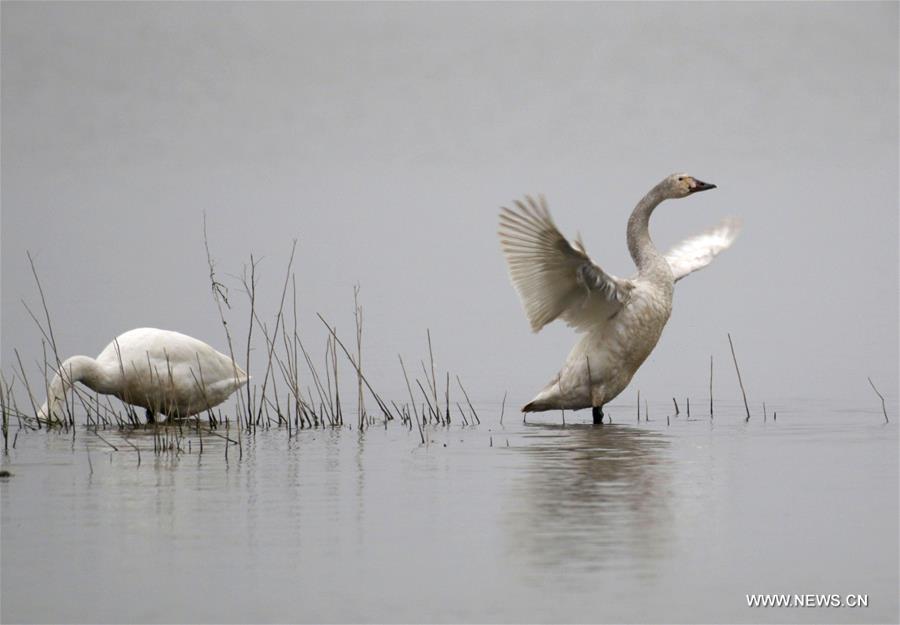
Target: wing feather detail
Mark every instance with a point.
(698, 251)
(554, 278)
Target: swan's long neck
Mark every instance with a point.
(77, 369)
(640, 245)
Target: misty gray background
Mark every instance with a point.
(384, 137)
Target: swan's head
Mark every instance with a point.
(51, 411)
(683, 185)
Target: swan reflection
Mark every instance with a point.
(591, 498)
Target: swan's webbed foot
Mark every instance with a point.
(597, 411)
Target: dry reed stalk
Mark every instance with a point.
(412, 400)
(329, 344)
(220, 295)
(433, 378)
(736, 368)
(881, 397)
(24, 378)
(428, 402)
(270, 343)
(466, 395)
(358, 318)
(710, 386)
(447, 399)
(251, 293)
(384, 409)
(45, 308)
(4, 414)
(337, 392)
(397, 409)
(320, 390)
(677, 412)
(138, 450)
(462, 414)
(430, 388)
(97, 434)
(295, 379)
(503, 407)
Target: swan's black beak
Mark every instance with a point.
(701, 186)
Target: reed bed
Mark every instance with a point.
(294, 387)
(291, 389)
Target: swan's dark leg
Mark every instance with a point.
(597, 411)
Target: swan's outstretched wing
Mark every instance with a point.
(556, 278)
(698, 251)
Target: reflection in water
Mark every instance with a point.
(591, 498)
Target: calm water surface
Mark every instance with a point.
(530, 522)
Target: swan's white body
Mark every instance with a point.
(165, 372)
(621, 319)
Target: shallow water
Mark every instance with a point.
(538, 522)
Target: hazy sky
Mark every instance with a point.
(384, 137)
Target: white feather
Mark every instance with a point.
(698, 251)
(554, 278)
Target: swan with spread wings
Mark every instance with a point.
(621, 320)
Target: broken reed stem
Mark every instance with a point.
(503, 407)
(677, 412)
(880, 396)
(736, 368)
(466, 395)
(428, 402)
(462, 414)
(428, 382)
(710, 386)
(412, 400)
(639, 406)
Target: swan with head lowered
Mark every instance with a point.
(621, 319)
(166, 372)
